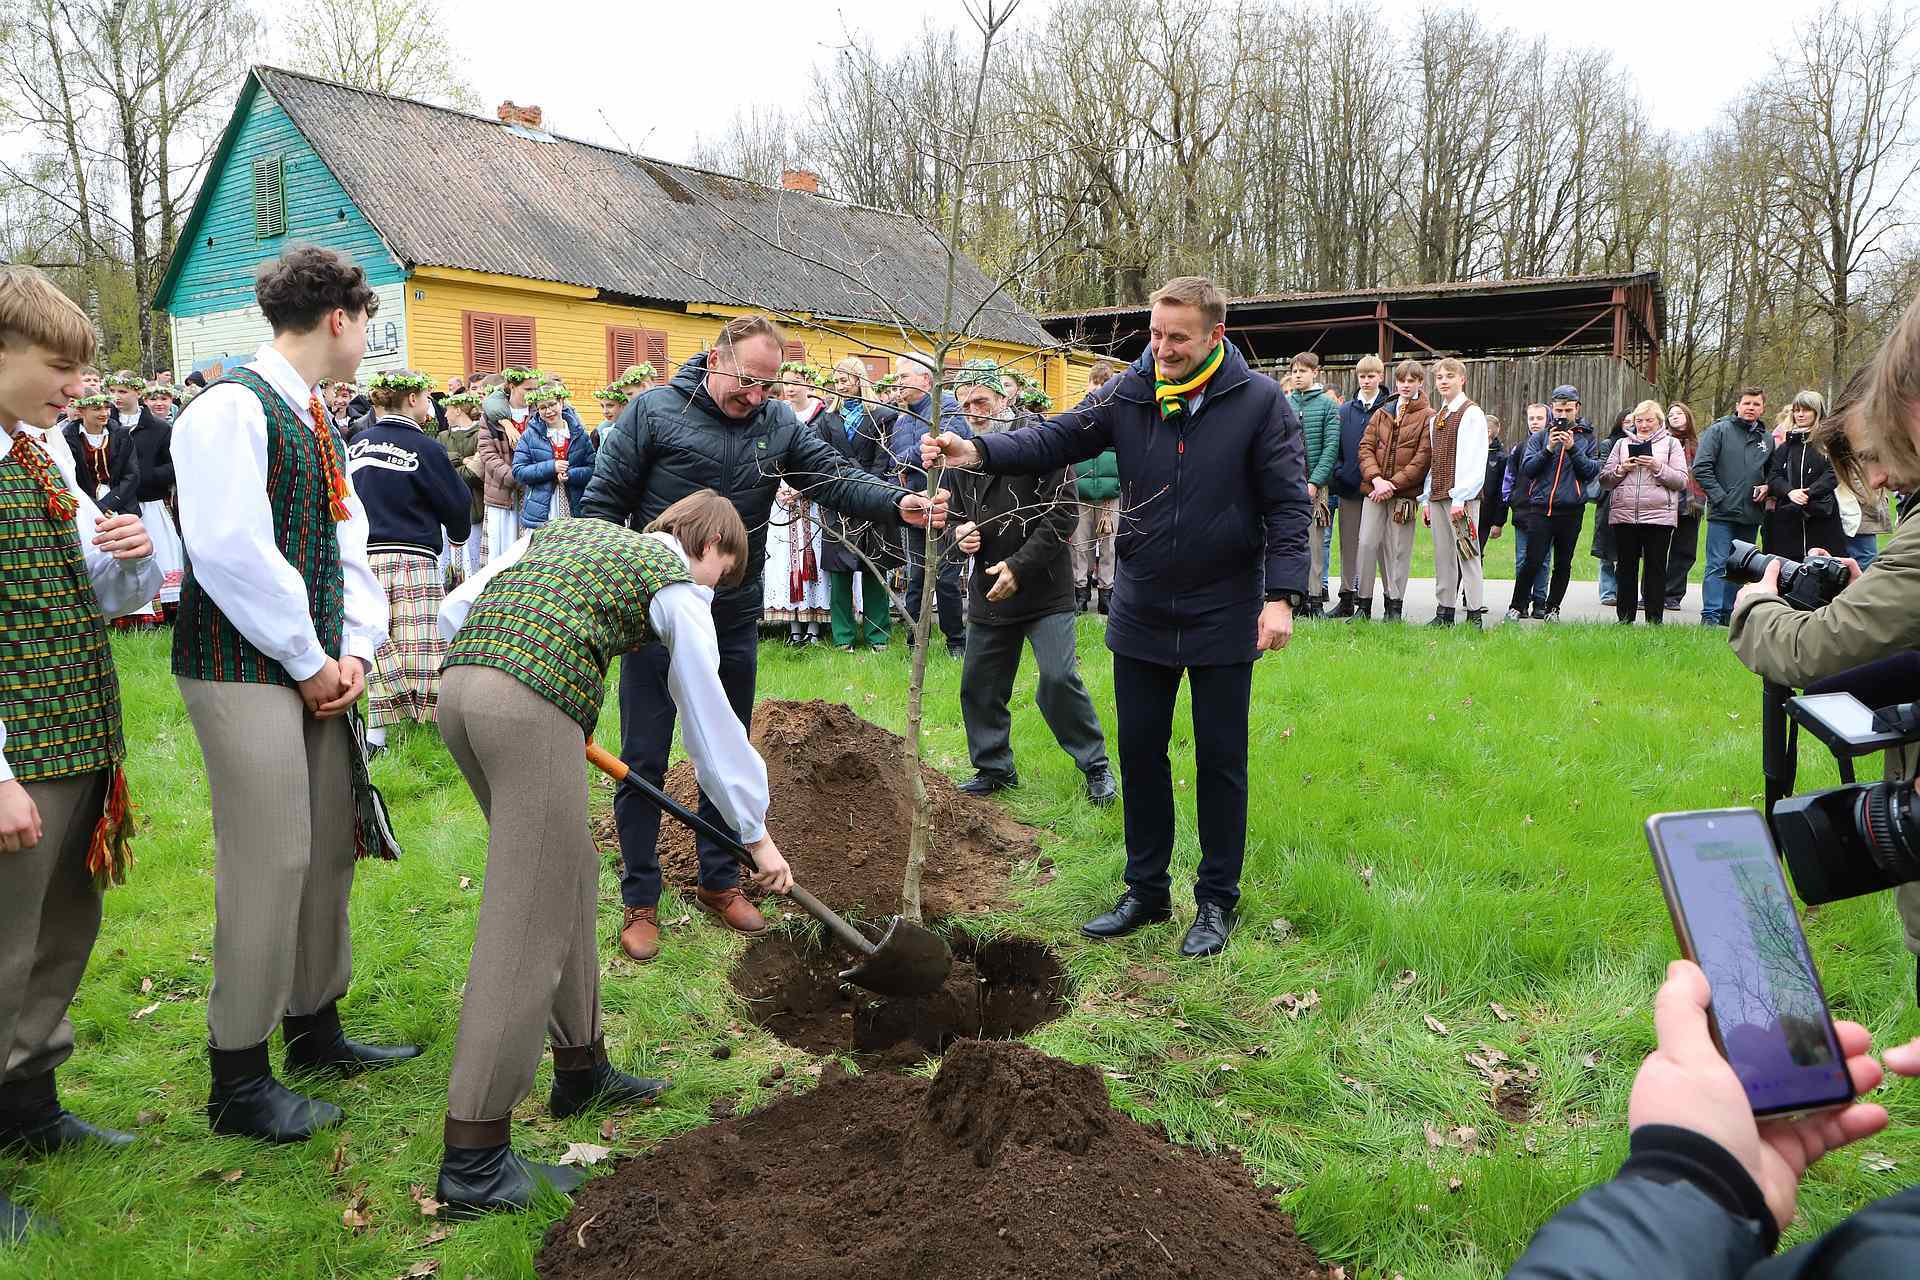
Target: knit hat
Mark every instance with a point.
(1566, 391)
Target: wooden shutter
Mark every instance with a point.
(482, 341)
(623, 350)
(877, 367)
(516, 341)
(495, 342)
(656, 344)
(269, 198)
(796, 350)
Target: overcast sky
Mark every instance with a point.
(653, 75)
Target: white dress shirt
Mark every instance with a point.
(730, 771)
(119, 586)
(226, 521)
(1469, 454)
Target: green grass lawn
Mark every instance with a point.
(1439, 824)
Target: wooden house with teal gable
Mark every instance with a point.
(572, 257)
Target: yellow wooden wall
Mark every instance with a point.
(570, 333)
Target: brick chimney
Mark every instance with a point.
(800, 180)
(510, 113)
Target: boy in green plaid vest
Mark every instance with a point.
(64, 818)
(530, 641)
(279, 619)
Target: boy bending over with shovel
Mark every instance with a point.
(530, 640)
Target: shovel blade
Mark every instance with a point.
(908, 961)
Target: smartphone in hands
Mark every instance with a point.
(1734, 918)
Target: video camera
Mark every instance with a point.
(1861, 837)
(1806, 585)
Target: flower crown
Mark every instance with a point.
(635, 375)
(1036, 400)
(132, 381)
(514, 376)
(465, 400)
(811, 374)
(614, 394)
(542, 394)
(400, 381)
(95, 401)
(163, 389)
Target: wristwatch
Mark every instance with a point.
(1293, 599)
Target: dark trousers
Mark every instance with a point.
(1640, 566)
(946, 587)
(986, 690)
(646, 737)
(1555, 534)
(1144, 694)
(1684, 550)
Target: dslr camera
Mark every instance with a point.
(1806, 585)
(1859, 838)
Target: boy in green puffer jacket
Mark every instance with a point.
(1093, 532)
(1320, 422)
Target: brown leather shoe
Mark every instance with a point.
(640, 935)
(733, 909)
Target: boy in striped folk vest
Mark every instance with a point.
(530, 641)
(279, 619)
(64, 818)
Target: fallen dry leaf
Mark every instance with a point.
(1434, 1024)
(1406, 978)
(338, 1162)
(1282, 929)
(1366, 876)
(1453, 1184)
(1464, 1136)
(146, 1118)
(146, 986)
(1499, 1012)
(232, 1176)
(466, 882)
(1876, 1162)
(1295, 1006)
(584, 1154)
(141, 1013)
(1286, 733)
(420, 1270)
(1435, 1138)
(1592, 1061)
(355, 1219)
(439, 1235)
(608, 1130)
(429, 1207)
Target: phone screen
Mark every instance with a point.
(1640, 449)
(1730, 905)
(1843, 713)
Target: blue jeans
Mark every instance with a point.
(1326, 546)
(1716, 592)
(1609, 585)
(1520, 558)
(1864, 548)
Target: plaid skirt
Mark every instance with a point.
(405, 684)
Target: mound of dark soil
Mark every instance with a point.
(998, 990)
(1007, 1164)
(843, 809)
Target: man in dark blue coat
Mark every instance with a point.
(1212, 553)
(918, 387)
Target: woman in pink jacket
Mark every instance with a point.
(1647, 472)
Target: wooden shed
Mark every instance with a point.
(1518, 338)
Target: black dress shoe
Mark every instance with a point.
(1101, 788)
(1208, 934)
(32, 1119)
(1130, 913)
(16, 1224)
(583, 1078)
(480, 1173)
(316, 1043)
(985, 784)
(247, 1102)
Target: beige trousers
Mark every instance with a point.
(49, 917)
(1348, 516)
(282, 795)
(535, 969)
(1386, 549)
(1087, 543)
(1454, 575)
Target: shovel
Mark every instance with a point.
(909, 960)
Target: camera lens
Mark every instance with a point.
(1746, 563)
(1885, 817)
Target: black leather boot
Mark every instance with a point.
(32, 1119)
(1316, 606)
(583, 1078)
(315, 1042)
(1106, 600)
(1081, 595)
(1391, 610)
(479, 1172)
(16, 1224)
(248, 1102)
(1207, 936)
(1345, 609)
(1442, 617)
(1130, 913)
(1477, 619)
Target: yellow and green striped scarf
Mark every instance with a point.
(1172, 396)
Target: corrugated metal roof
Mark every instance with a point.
(1465, 288)
(545, 207)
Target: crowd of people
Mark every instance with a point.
(326, 553)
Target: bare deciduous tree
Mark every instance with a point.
(389, 46)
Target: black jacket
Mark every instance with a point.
(673, 440)
(123, 469)
(409, 488)
(1792, 530)
(153, 454)
(1213, 508)
(1028, 522)
(1493, 507)
(1682, 1206)
(866, 449)
(1354, 417)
